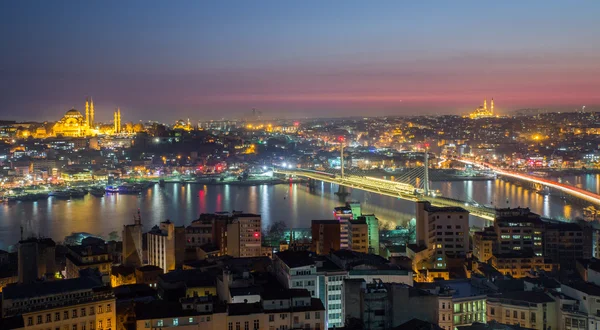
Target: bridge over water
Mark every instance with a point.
(391, 188)
(573, 191)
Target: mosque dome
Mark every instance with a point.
(73, 113)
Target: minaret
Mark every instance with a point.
(87, 112)
(492, 106)
(91, 121)
(115, 122)
(485, 104)
(119, 118)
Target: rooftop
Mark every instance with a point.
(294, 259)
(534, 297)
(589, 288)
(22, 291)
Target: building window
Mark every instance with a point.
(108, 323)
(74, 313)
(92, 311)
(39, 319)
(318, 315)
(100, 325)
(507, 313)
(83, 312)
(74, 326)
(208, 319)
(191, 320)
(522, 315)
(532, 317)
(246, 325)
(108, 308)
(48, 317)
(65, 315)
(271, 318)
(237, 326)
(100, 309)
(230, 326)
(515, 314)
(307, 316)
(30, 321)
(160, 323)
(492, 311)
(57, 316)
(256, 325)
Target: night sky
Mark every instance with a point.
(166, 60)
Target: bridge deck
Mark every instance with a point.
(389, 188)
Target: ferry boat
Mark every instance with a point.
(98, 191)
(130, 189)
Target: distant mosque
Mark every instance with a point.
(74, 124)
(482, 111)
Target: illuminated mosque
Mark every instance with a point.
(482, 111)
(74, 124)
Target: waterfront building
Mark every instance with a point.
(132, 242)
(326, 236)
(166, 246)
(443, 230)
(80, 303)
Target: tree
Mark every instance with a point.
(353, 323)
(113, 236)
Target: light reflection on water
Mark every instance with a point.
(294, 204)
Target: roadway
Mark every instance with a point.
(389, 188)
(567, 189)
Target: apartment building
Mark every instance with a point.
(443, 230)
(74, 304)
(166, 246)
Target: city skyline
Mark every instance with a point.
(207, 61)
